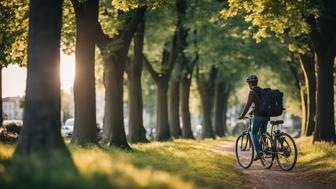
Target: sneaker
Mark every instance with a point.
(258, 156)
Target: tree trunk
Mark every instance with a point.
(308, 66)
(173, 106)
(162, 125)
(185, 94)
(219, 109)
(114, 129)
(226, 103)
(41, 132)
(303, 96)
(301, 84)
(114, 64)
(136, 130)
(206, 89)
(323, 37)
(325, 127)
(85, 128)
(1, 111)
(206, 102)
(174, 84)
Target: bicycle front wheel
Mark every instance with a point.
(244, 151)
(286, 152)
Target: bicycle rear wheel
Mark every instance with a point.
(286, 152)
(244, 151)
(267, 148)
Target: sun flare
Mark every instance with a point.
(68, 70)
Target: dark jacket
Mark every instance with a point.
(253, 98)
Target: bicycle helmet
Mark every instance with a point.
(252, 78)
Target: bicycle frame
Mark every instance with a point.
(249, 130)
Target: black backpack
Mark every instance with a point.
(270, 103)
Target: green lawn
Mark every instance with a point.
(317, 161)
(179, 164)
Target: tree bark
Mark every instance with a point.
(186, 78)
(114, 112)
(219, 108)
(173, 106)
(222, 91)
(85, 128)
(308, 66)
(162, 128)
(325, 128)
(185, 94)
(1, 110)
(41, 132)
(174, 85)
(136, 130)
(303, 97)
(206, 90)
(301, 84)
(162, 80)
(323, 37)
(206, 102)
(114, 66)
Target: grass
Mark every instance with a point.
(178, 164)
(317, 161)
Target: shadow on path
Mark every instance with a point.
(274, 178)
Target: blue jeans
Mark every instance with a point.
(258, 123)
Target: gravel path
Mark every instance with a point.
(273, 178)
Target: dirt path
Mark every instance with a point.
(274, 178)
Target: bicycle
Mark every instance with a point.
(277, 145)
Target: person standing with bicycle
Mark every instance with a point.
(259, 121)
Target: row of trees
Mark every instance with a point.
(308, 29)
(190, 41)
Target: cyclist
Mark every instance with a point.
(259, 122)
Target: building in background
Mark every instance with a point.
(12, 108)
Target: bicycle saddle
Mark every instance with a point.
(277, 122)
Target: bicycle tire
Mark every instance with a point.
(271, 152)
(248, 142)
(295, 152)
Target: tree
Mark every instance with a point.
(41, 132)
(323, 38)
(206, 86)
(85, 129)
(137, 132)
(297, 23)
(162, 79)
(13, 35)
(222, 92)
(301, 86)
(175, 79)
(307, 63)
(186, 78)
(114, 64)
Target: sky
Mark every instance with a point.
(14, 77)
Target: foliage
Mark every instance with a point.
(157, 36)
(286, 19)
(13, 32)
(68, 35)
(179, 164)
(126, 5)
(223, 43)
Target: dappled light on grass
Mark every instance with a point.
(180, 164)
(117, 165)
(319, 158)
(6, 150)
